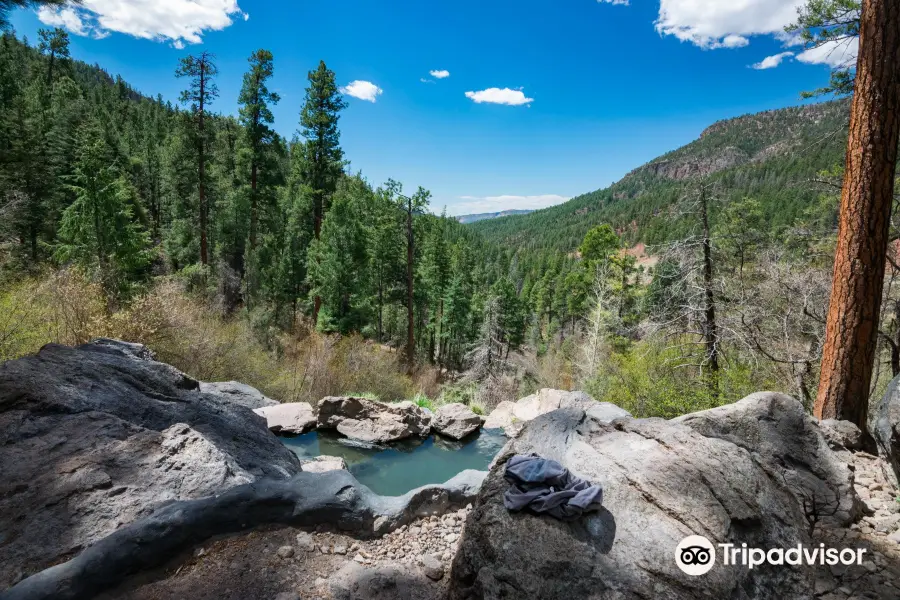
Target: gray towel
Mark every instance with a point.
(546, 487)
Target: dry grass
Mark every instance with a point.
(183, 331)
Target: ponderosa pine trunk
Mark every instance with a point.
(866, 202)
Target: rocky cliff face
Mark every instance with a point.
(95, 437)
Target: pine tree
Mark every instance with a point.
(323, 155)
(385, 246)
(200, 93)
(338, 259)
(835, 24)
(54, 44)
(256, 118)
(97, 231)
(7, 5)
(865, 219)
(410, 206)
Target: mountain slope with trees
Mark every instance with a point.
(774, 156)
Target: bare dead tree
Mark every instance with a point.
(779, 315)
(602, 318)
(689, 319)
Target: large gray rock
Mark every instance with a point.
(95, 437)
(662, 481)
(512, 416)
(307, 500)
(886, 430)
(456, 421)
(292, 418)
(791, 447)
(237, 393)
(370, 421)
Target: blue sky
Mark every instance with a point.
(592, 88)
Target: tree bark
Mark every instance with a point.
(380, 308)
(866, 202)
(254, 206)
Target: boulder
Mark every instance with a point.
(456, 421)
(333, 499)
(792, 448)
(842, 434)
(321, 464)
(373, 422)
(725, 474)
(95, 437)
(293, 418)
(237, 393)
(886, 431)
(512, 416)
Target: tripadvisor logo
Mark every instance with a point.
(696, 555)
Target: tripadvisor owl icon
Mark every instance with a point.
(695, 555)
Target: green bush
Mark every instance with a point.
(651, 379)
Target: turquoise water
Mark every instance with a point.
(396, 469)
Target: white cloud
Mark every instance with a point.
(442, 74)
(735, 41)
(724, 23)
(364, 90)
(838, 55)
(621, 2)
(64, 17)
(163, 20)
(487, 204)
(498, 96)
(770, 62)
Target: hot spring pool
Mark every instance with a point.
(406, 465)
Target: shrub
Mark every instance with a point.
(423, 401)
(651, 379)
(184, 331)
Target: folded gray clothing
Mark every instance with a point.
(546, 487)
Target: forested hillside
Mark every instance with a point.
(127, 193)
(772, 156)
(238, 254)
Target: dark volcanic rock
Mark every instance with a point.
(726, 474)
(790, 445)
(334, 498)
(95, 437)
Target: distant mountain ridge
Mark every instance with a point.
(770, 156)
(466, 219)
